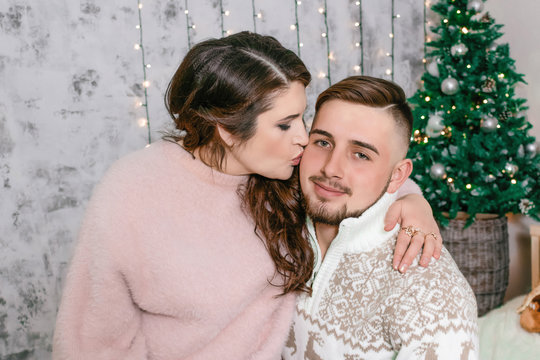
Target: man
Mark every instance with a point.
(361, 308)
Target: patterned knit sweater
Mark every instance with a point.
(363, 309)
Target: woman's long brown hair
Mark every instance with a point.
(229, 82)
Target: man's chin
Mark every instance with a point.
(320, 213)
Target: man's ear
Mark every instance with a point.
(402, 170)
(226, 136)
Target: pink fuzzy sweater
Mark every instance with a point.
(167, 266)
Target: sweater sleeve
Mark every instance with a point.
(97, 318)
(438, 317)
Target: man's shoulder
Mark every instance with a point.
(440, 287)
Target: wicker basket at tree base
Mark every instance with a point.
(481, 253)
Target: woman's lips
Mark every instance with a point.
(296, 160)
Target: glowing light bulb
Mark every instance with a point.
(321, 74)
(299, 2)
(292, 27)
(391, 35)
(464, 30)
(513, 181)
(323, 34)
(357, 44)
(450, 180)
(388, 72)
(357, 24)
(427, 99)
(137, 46)
(146, 83)
(227, 13)
(445, 21)
(148, 66)
(358, 3)
(142, 122)
(186, 12)
(259, 15)
(468, 186)
(137, 27)
(140, 6)
(321, 11)
(356, 67)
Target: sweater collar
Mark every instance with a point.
(366, 231)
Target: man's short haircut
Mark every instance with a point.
(373, 92)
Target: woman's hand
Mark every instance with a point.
(414, 215)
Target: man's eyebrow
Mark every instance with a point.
(321, 132)
(365, 145)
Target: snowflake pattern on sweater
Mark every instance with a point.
(364, 309)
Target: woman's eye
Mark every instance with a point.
(284, 127)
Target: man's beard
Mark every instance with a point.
(318, 212)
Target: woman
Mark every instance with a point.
(193, 248)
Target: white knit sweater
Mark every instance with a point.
(361, 308)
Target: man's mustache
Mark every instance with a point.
(324, 180)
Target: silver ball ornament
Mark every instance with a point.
(437, 171)
(489, 124)
(450, 86)
(493, 46)
(510, 168)
(459, 49)
(476, 5)
(532, 148)
(433, 68)
(434, 126)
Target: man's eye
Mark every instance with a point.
(322, 143)
(360, 155)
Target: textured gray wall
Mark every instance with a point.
(69, 83)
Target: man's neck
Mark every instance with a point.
(325, 235)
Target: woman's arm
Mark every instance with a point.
(97, 317)
(412, 210)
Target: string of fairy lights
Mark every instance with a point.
(145, 83)
(257, 15)
(360, 42)
(325, 35)
(392, 37)
(190, 26)
(296, 26)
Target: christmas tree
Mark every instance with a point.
(471, 148)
